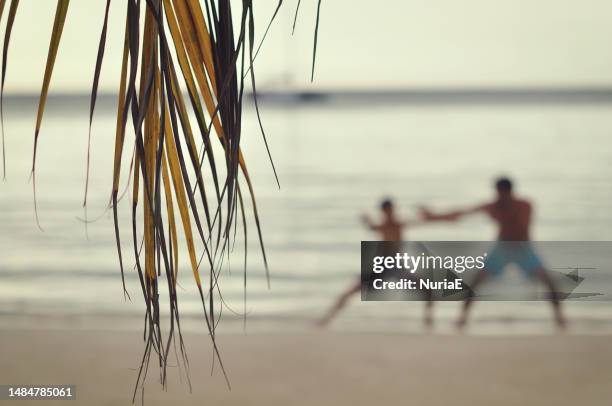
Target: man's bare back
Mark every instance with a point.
(513, 218)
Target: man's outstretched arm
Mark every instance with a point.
(428, 215)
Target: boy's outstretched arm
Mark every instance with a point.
(365, 219)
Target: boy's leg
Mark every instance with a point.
(428, 296)
(481, 276)
(428, 319)
(340, 303)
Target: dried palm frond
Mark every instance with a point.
(183, 45)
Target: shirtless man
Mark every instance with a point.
(513, 218)
(390, 229)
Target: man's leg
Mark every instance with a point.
(481, 276)
(340, 303)
(544, 276)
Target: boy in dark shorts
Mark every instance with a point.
(390, 229)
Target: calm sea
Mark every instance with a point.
(335, 161)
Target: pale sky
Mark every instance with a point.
(397, 43)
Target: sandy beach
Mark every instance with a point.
(323, 368)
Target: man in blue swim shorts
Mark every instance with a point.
(513, 218)
(520, 253)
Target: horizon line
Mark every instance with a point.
(436, 95)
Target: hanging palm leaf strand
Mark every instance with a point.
(168, 170)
